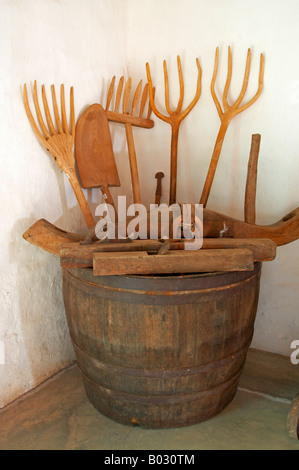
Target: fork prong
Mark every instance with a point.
(197, 93)
(136, 97)
(166, 83)
(150, 109)
(260, 87)
(72, 113)
(63, 113)
(38, 112)
(47, 112)
(110, 93)
(31, 118)
(228, 80)
(245, 81)
(214, 96)
(151, 93)
(181, 80)
(56, 112)
(143, 100)
(118, 93)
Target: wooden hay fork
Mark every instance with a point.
(175, 117)
(228, 112)
(59, 142)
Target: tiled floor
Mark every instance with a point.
(58, 415)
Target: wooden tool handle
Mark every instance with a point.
(250, 192)
(213, 164)
(133, 164)
(173, 163)
(81, 200)
(136, 121)
(107, 195)
(158, 194)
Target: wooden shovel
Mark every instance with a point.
(94, 151)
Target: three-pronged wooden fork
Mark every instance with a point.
(59, 140)
(175, 117)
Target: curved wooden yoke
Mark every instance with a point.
(229, 111)
(175, 117)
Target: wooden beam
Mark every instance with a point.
(115, 264)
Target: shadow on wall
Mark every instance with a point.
(41, 316)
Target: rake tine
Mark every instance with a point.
(127, 92)
(72, 113)
(119, 93)
(136, 97)
(38, 112)
(63, 113)
(143, 100)
(47, 112)
(110, 93)
(56, 112)
(31, 118)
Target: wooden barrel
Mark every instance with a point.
(163, 351)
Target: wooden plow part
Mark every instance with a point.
(215, 226)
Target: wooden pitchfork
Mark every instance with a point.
(59, 142)
(175, 117)
(228, 112)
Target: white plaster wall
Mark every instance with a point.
(83, 43)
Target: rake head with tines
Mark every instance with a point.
(129, 118)
(59, 140)
(175, 117)
(228, 112)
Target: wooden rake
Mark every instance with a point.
(130, 118)
(175, 117)
(59, 140)
(228, 112)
